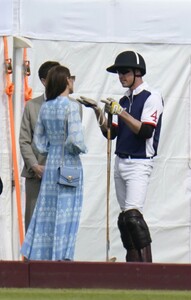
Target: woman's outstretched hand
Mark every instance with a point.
(87, 102)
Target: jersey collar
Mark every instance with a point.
(138, 90)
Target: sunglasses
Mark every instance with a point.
(123, 71)
(72, 77)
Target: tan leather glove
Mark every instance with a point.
(87, 102)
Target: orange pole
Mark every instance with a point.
(27, 89)
(9, 91)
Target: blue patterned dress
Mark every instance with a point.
(53, 228)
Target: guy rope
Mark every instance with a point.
(27, 72)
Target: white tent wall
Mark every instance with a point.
(87, 49)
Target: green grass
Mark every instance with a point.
(90, 294)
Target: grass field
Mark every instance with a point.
(90, 294)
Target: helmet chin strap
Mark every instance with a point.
(134, 78)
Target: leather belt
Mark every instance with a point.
(132, 156)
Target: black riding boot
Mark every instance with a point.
(133, 255)
(146, 254)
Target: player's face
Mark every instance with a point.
(126, 77)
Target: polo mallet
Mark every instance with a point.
(109, 123)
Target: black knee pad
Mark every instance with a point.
(125, 234)
(138, 228)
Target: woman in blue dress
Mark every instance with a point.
(53, 228)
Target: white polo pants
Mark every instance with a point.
(131, 181)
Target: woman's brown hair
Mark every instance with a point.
(56, 82)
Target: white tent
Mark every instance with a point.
(86, 36)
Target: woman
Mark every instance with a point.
(53, 228)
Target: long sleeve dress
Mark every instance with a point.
(53, 228)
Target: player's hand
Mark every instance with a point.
(108, 102)
(112, 106)
(87, 102)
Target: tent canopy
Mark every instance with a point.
(132, 21)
